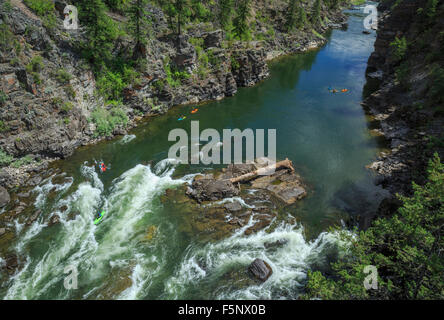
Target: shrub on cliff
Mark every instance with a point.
(399, 48)
(405, 249)
(240, 23)
(5, 159)
(106, 120)
(44, 9)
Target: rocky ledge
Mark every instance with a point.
(240, 197)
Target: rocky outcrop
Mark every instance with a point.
(252, 205)
(210, 189)
(4, 197)
(400, 108)
(284, 184)
(260, 269)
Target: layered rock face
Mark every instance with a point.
(49, 90)
(403, 109)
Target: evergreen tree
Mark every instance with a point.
(138, 25)
(225, 13)
(101, 31)
(178, 12)
(317, 12)
(292, 15)
(240, 23)
(302, 21)
(406, 249)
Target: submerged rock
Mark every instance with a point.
(4, 197)
(54, 220)
(260, 269)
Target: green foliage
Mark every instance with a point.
(395, 4)
(7, 6)
(399, 47)
(3, 98)
(107, 120)
(117, 5)
(405, 248)
(6, 37)
(5, 159)
(35, 65)
(66, 107)
(199, 11)
(296, 16)
(3, 127)
(240, 22)
(139, 22)
(22, 161)
(70, 92)
(63, 76)
(110, 84)
(101, 31)
(292, 15)
(178, 13)
(226, 9)
(316, 18)
(44, 9)
(235, 65)
(40, 7)
(431, 8)
(175, 77)
(436, 90)
(402, 73)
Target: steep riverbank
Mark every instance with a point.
(407, 107)
(50, 90)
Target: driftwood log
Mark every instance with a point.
(265, 171)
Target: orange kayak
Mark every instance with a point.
(194, 111)
(344, 90)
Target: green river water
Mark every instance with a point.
(325, 135)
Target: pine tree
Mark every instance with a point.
(317, 12)
(101, 31)
(226, 12)
(138, 25)
(406, 249)
(241, 21)
(302, 21)
(180, 11)
(292, 15)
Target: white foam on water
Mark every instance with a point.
(127, 138)
(74, 244)
(47, 186)
(289, 261)
(231, 200)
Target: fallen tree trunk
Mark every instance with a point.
(265, 171)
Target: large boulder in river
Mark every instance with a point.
(4, 197)
(209, 189)
(260, 269)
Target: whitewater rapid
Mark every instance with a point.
(115, 262)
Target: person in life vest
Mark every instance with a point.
(102, 167)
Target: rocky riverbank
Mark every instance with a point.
(401, 107)
(49, 91)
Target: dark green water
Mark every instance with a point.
(324, 134)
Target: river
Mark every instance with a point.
(142, 250)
